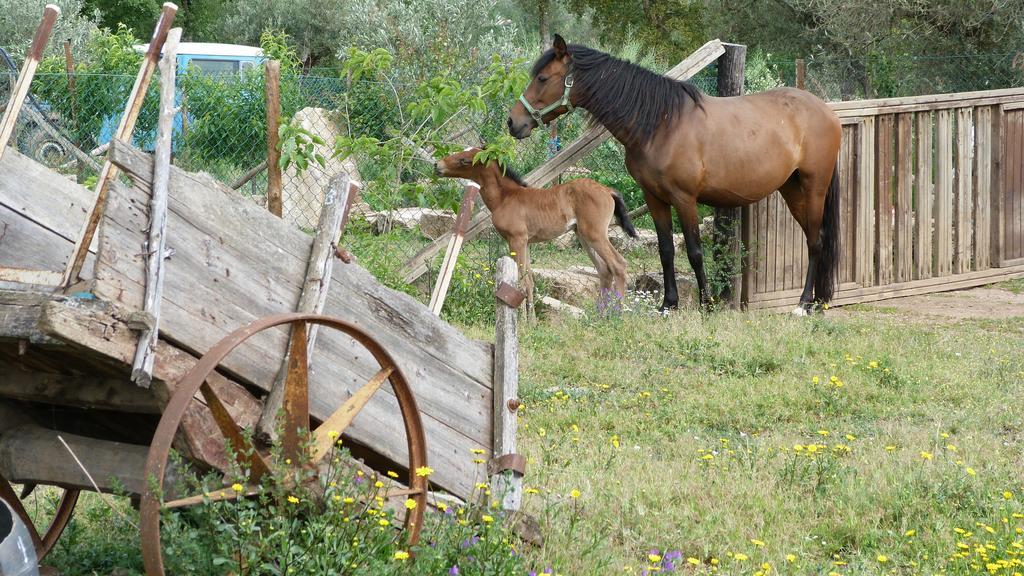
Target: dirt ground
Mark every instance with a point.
(993, 302)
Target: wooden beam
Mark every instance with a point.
(507, 485)
(929, 102)
(100, 393)
(451, 255)
(547, 172)
(337, 200)
(156, 245)
(35, 53)
(34, 455)
(801, 72)
(124, 132)
(272, 75)
(728, 221)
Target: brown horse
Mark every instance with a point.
(683, 147)
(524, 215)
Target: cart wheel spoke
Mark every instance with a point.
(43, 541)
(296, 394)
(337, 422)
(244, 450)
(222, 495)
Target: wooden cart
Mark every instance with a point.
(71, 417)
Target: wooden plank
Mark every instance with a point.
(885, 166)
(99, 393)
(34, 455)
(506, 485)
(28, 70)
(337, 200)
(1014, 191)
(239, 263)
(156, 244)
(853, 108)
(771, 244)
(36, 277)
(547, 172)
(924, 195)
(866, 181)
(854, 295)
(761, 229)
(848, 186)
(272, 77)
(943, 208)
(998, 225)
(60, 213)
(748, 234)
(982, 188)
(963, 230)
(124, 133)
(451, 255)
(903, 259)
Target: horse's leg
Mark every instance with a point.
(687, 209)
(661, 213)
(805, 198)
(603, 274)
(521, 252)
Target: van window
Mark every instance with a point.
(216, 67)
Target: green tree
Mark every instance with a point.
(138, 15)
(672, 28)
(313, 26)
(20, 18)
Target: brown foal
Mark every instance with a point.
(525, 215)
(683, 147)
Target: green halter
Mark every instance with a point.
(538, 115)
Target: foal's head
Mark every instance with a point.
(461, 165)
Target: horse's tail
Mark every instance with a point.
(622, 215)
(828, 262)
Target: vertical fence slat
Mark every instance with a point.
(963, 223)
(847, 185)
(272, 75)
(998, 185)
(762, 246)
(1015, 191)
(771, 242)
(943, 213)
(904, 255)
(866, 198)
(982, 186)
(886, 154)
(925, 194)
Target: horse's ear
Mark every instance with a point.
(559, 45)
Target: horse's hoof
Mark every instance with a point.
(663, 312)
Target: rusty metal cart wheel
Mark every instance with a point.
(296, 417)
(44, 541)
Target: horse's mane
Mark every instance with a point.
(627, 99)
(510, 173)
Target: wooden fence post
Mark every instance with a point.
(801, 72)
(69, 67)
(156, 245)
(451, 255)
(124, 133)
(728, 222)
(28, 70)
(507, 467)
(273, 89)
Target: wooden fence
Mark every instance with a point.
(932, 199)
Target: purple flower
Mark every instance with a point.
(470, 542)
(453, 571)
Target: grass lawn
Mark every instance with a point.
(864, 442)
(869, 441)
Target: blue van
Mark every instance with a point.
(212, 59)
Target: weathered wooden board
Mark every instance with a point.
(924, 192)
(963, 224)
(234, 262)
(943, 214)
(903, 259)
(37, 229)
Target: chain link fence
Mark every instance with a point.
(221, 130)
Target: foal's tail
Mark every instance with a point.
(828, 262)
(623, 216)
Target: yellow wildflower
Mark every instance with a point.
(293, 499)
(401, 555)
(410, 503)
(424, 471)
(237, 487)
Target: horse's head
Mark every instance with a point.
(459, 165)
(547, 95)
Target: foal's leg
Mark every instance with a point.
(615, 264)
(661, 213)
(521, 248)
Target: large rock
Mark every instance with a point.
(434, 224)
(653, 283)
(570, 286)
(303, 194)
(408, 218)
